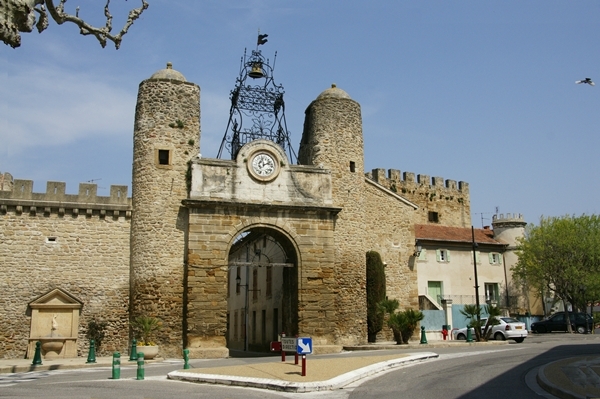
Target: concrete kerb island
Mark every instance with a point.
(315, 367)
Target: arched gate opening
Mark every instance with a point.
(262, 289)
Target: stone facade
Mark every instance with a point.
(79, 243)
(449, 201)
(170, 249)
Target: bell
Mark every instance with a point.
(256, 72)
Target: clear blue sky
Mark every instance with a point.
(476, 91)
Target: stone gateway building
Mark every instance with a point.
(226, 253)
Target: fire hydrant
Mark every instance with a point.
(445, 333)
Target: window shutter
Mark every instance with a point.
(423, 254)
(437, 255)
(447, 256)
(499, 259)
(491, 258)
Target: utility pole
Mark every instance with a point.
(475, 271)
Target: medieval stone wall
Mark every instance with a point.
(450, 200)
(390, 232)
(78, 243)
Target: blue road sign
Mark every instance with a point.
(304, 346)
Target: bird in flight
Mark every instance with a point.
(586, 81)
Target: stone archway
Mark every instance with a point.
(262, 289)
(304, 233)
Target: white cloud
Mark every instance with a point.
(58, 106)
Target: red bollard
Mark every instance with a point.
(303, 365)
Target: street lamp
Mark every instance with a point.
(418, 249)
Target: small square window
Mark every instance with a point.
(51, 240)
(443, 255)
(163, 157)
(352, 167)
(495, 258)
(433, 217)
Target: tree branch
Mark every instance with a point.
(20, 16)
(102, 34)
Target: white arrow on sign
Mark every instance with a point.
(305, 347)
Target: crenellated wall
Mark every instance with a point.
(451, 200)
(78, 243)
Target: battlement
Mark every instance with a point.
(409, 182)
(446, 202)
(18, 196)
(509, 219)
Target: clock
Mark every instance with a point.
(263, 166)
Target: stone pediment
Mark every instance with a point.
(56, 298)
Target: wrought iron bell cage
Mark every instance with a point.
(257, 108)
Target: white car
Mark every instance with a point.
(509, 328)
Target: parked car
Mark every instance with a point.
(557, 322)
(509, 328)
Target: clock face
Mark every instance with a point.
(263, 165)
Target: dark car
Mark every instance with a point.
(557, 322)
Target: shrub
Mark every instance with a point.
(145, 327)
(404, 323)
(96, 332)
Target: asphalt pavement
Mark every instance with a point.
(575, 377)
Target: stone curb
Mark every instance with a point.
(299, 387)
(555, 390)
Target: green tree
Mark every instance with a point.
(375, 294)
(561, 257)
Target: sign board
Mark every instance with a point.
(275, 346)
(288, 344)
(304, 346)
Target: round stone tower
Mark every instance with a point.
(508, 228)
(333, 139)
(166, 136)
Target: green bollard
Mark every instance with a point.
(116, 366)
(37, 357)
(92, 354)
(133, 351)
(469, 335)
(423, 336)
(140, 369)
(186, 359)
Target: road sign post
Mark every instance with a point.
(287, 345)
(303, 365)
(304, 346)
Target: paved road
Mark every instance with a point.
(508, 372)
(491, 372)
